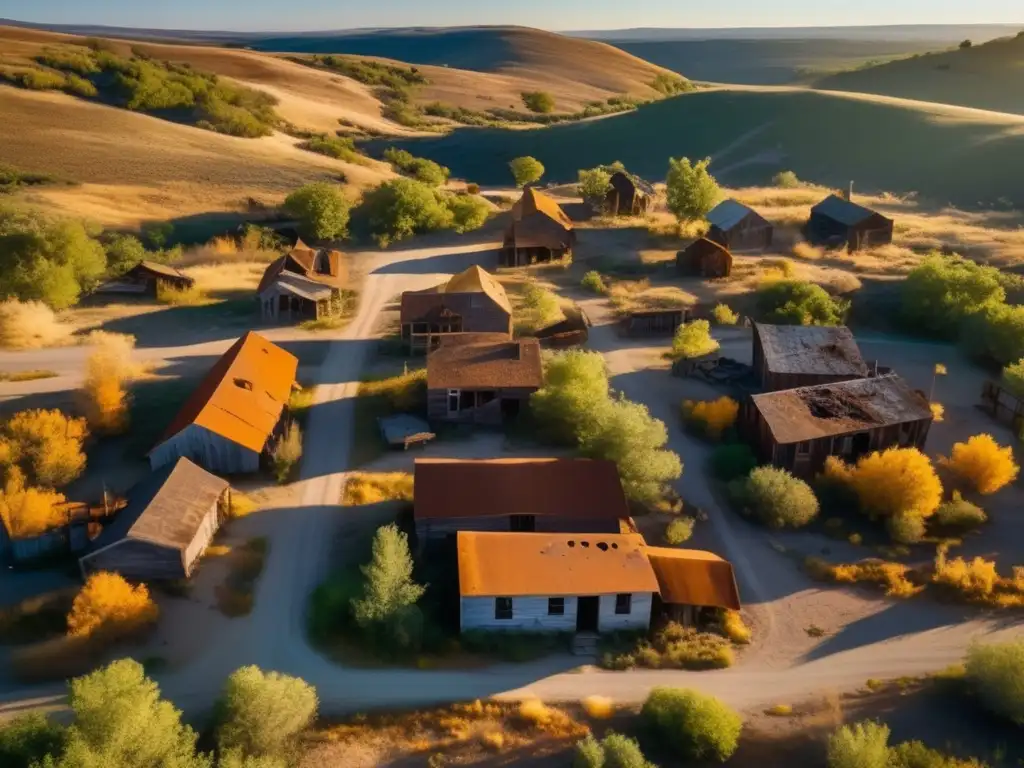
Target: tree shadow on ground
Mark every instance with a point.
(449, 263)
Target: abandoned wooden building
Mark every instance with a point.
(797, 429)
(629, 195)
(471, 302)
(704, 258)
(231, 419)
(148, 278)
(170, 519)
(837, 222)
(546, 582)
(739, 228)
(691, 581)
(654, 322)
(482, 378)
(789, 356)
(552, 495)
(572, 331)
(301, 285)
(539, 232)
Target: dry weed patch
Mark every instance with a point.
(235, 595)
(376, 487)
(893, 577)
(672, 647)
(31, 325)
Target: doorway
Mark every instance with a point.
(510, 408)
(587, 611)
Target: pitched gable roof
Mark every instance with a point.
(534, 202)
(811, 349)
(478, 280)
(694, 577)
(844, 211)
(243, 394)
(728, 213)
(549, 564)
(319, 265)
(476, 360)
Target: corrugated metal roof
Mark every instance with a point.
(812, 349)
(542, 564)
(826, 410)
(484, 360)
(694, 577)
(728, 213)
(572, 488)
(842, 210)
(242, 396)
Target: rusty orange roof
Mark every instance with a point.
(694, 577)
(552, 564)
(242, 396)
(534, 202)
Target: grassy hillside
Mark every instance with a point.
(944, 154)
(988, 76)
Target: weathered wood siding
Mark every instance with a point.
(440, 528)
(776, 382)
(488, 414)
(211, 522)
(211, 451)
(137, 560)
(530, 614)
(749, 236)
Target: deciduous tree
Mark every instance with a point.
(389, 588)
(526, 170)
(262, 712)
(691, 191)
(47, 445)
(27, 511)
(694, 339)
(322, 210)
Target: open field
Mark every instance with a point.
(945, 154)
(983, 76)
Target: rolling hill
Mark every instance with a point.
(988, 76)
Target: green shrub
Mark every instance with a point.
(261, 713)
(906, 528)
(723, 315)
(694, 339)
(862, 745)
(418, 168)
(468, 212)
(996, 333)
(914, 754)
(696, 726)
(672, 647)
(595, 185)
(776, 498)
(27, 739)
(593, 282)
(960, 514)
(540, 102)
(671, 85)
(286, 453)
(387, 607)
(123, 252)
(79, 86)
(392, 76)
(943, 291)
(679, 531)
(39, 80)
(732, 460)
(794, 302)
(526, 170)
(588, 753)
(997, 674)
(786, 180)
(1013, 377)
(691, 191)
(623, 752)
(401, 208)
(69, 59)
(322, 210)
(338, 147)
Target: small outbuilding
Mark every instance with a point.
(470, 302)
(540, 231)
(229, 422)
(301, 284)
(798, 429)
(525, 495)
(482, 378)
(789, 356)
(690, 580)
(546, 582)
(705, 258)
(837, 222)
(148, 278)
(629, 195)
(169, 521)
(739, 228)
(572, 331)
(654, 322)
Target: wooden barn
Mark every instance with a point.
(301, 284)
(552, 495)
(471, 302)
(170, 519)
(147, 278)
(789, 356)
(482, 378)
(837, 222)
(573, 331)
(548, 582)
(654, 322)
(629, 195)
(539, 232)
(704, 258)
(739, 228)
(232, 417)
(797, 429)
(691, 580)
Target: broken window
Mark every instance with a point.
(503, 608)
(556, 606)
(453, 401)
(623, 604)
(803, 449)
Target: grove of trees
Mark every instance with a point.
(401, 208)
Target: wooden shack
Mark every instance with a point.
(629, 195)
(837, 222)
(549, 582)
(470, 302)
(148, 278)
(789, 356)
(231, 419)
(705, 258)
(654, 322)
(301, 284)
(739, 228)
(539, 232)
(170, 519)
(691, 581)
(552, 495)
(797, 429)
(572, 331)
(482, 378)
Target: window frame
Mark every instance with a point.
(560, 602)
(624, 604)
(500, 610)
(457, 395)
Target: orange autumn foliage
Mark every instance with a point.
(28, 512)
(897, 481)
(107, 371)
(713, 417)
(982, 463)
(110, 604)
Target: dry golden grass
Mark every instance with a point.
(779, 710)
(226, 278)
(31, 375)
(376, 487)
(893, 577)
(598, 707)
(638, 295)
(108, 371)
(193, 296)
(735, 628)
(241, 505)
(31, 325)
(978, 581)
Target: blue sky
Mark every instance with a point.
(280, 15)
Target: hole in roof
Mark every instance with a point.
(602, 546)
(244, 384)
(615, 546)
(584, 544)
(572, 543)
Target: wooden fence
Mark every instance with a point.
(1003, 405)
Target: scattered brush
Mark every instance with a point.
(30, 325)
(365, 488)
(598, 707)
